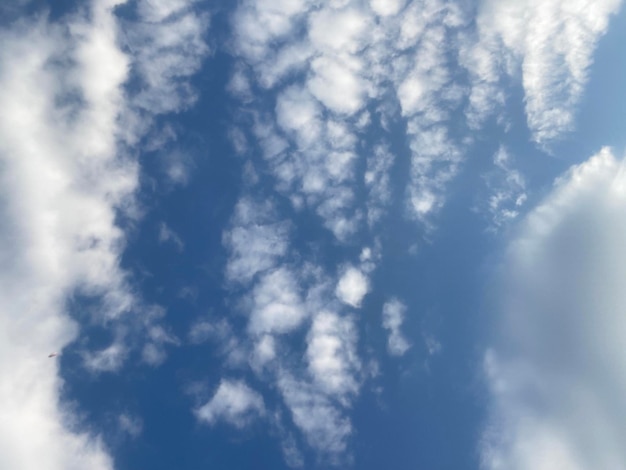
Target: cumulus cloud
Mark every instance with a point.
(393, 316)
(353, 285)
(233, 402)
(550, 44)
(556, 369)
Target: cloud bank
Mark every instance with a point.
(556, 373)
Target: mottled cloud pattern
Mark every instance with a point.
(324, 89)
(345, 115)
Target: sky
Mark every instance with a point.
(291, 234)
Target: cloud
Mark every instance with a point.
(166, 234)
(167, 46)
(378, 182)
(154, 352)
(221, 333)
(550, 44)
(508, 190)
(275, 304)
(332, 356)
(556, 367)
(67, 181)
(61, 184)
(233, 402)
(353, 285)
(325, 427)
(393, 317)
(132, 425)
(387, 7)
(257, 241)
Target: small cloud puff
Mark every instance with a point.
(393, 317)
(352, 287)
(233, 402)
(132, 425)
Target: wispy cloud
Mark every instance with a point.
(132, 425)
(166, 234)
(393, 317)
(556, 371)
(507, 188)
(550, 44)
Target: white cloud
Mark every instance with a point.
(66, 178)
(338, 84)
(132, 425)
(352, 286)
(339, 31)
(221, 333)
(264, 352)
(551, 44)
(377, 180)
(166, 234)
(298, 112)
(256, 241)
(332, 356)
(324, 426)
(508, 190)
(167, 46)
(275, 304)
(387, 7)
(108, 359)
(61, 183)
(158, 338)
(557, 369)
(259, 23)
(394, 312)
(233, 402)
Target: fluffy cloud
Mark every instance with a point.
(233, 402)
(556, 371)
(393, 317)
(353, 285)
(275, 304)
(331, 352)
(257, 241)
(324, 425)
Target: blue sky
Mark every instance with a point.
(294, 234)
